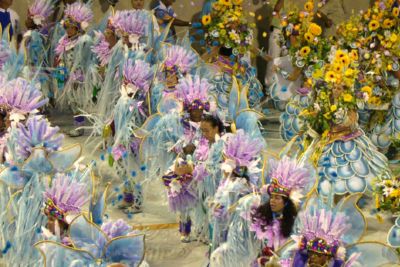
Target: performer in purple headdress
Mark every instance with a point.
(273, 221)
(241, 175)
(182, 197)
(63, 201)
(73, 53)
(320, 240)
(35, 43)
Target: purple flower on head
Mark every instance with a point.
(116, 229)
(37, 133)
(80, 13)
(40, 11)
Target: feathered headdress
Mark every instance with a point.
(65, 196)
(19, 97)
(241, 154)
(130, 24)
(80, 14)
(193, 90)
(322, 231)
(40, 11)
(288, 178)
(37, 132)
(138, 75)
(179, 58)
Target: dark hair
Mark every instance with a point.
(289, 213)
(215, 122)
(223, 51)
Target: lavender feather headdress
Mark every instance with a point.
(102, 49)
(20, 97)
(138, 75)
(130, 24)
(322, 231)
(179, 58)
(65, 196)
(193, 90)
(40, 11)
(37, 132)
(242, 154)
(288, 178)
(79, 13)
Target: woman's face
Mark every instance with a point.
(71, 29)
(277, 203)
(196, 115)
(111, 38)
(318, 260)
(30, 25)
(137, 4)
(208, 131)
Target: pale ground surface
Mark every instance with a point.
(163, 247)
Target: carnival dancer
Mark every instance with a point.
(96, 241)
(242, 175)
(182, 196)
(167, 19)
(129, 114)
(35, 44)
(207, 173)
(73, 57)
(347, 160)
(331, 237)
(260, 228)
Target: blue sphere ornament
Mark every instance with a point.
(102, 157)
(133, 173)
(143, 168)
(120, 197)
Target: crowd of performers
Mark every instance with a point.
(159, 111)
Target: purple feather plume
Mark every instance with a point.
(37, 132)
(182, 58)
(130, 22)
(67, 194)
(323, 224)
(115, 229)
(242, 148)
(21, 96)
(41, 10)
(138, 73)
(79, 12)
(192, 88)
(289, 173)
(102, 49)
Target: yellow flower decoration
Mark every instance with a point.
(373, 25)
(315, 29)
(309, 37)
(387, 23)
(337, 68)
(284, 23)
(304, 51)
(330, 77)
(354, 54)
(395, 11)
(393, 37)
(367, 89)
(318, 74)
(225, 2)
(347, 97)
(349, 72)
(333, 108)
(309, 6)
(345, 60)
(237, 2)
(340, 54)
(206, 20)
